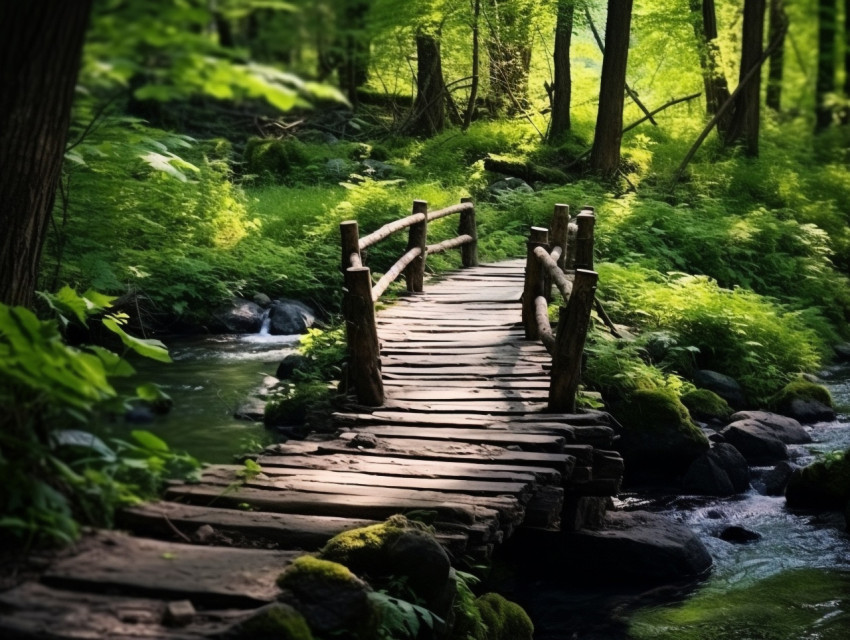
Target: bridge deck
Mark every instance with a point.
(461, 435)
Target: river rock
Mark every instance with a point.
(639, 546)
(738, 535)
(824, 484)
(721, 471)
(140, 414)
(289, 365)
(756, 442)
(788, 430)
(510, 184)
(842, 352)
(262, 300)
(251, 409)
(723, 385)
(240, 316)
(289, 317)
(809, 411)
(805, 401)
(378, 169)
(776, 479)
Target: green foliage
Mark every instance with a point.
(324, 351)
(504, 620)
(704, 404)
(290, 403)
(400, 619)
(653, 409)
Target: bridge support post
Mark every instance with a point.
(364, 359)
(533, 281)
(350, 233)
(418, 238)
(569, 344)
(468, 226)
(585, 222)
(558, 231)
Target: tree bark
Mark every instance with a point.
(846, 118)
(605, 154)
(353, 69)
(776, 19)
(509, 50)
(429, 112)
(746, 117)
(827, 26)
(714, 80)
(40, 47)
(563, 80)
(476, 46)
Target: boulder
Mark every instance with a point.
(775, 480)
(252, 410)
(724, 386)
(786, 429)
(289, 365)
(276, 621)
(240, 316)
(707, 406)
(756, 442)
(638, 546)
(289, 317)
(842, 352)
(140, 414)
(262, 300)
(738, 535)
(721, 471)
(510, 184)
(378, 169)
(657, 434)
(804, 401)
(824, 484)
(504, 620)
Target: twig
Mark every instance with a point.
(176, 530)
(606, 319)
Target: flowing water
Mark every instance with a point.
(793, 583)
(208, 380)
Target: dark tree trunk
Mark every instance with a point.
(356, 47)
(476, 46)
(40, 47)
(605, 154)
(224, 30)
(846, 117)
(510, 63)
(714, 80)
(774, 73)
(827, 27)
(563, 86)
(429, 112)
(746, 117)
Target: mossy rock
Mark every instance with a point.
(276, 621)
(658, 433)
(292, 407)
(505, 620)
(824, 484)
(706, 405)
(274, 159)
(801, 390)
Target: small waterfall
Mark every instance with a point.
(264, 328)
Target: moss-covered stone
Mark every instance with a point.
(274, 158)
(801, 390)
(824, 484)
(706, 405)
(504, 620)
(276, 621)
(658, 433)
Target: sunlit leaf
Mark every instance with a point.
(149, 440)
(153, 349)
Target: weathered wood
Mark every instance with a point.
(465, 205)
(544, 508)
(394, 272)
(533, 281)
(350, 233)
(362, 337)
(553, 274)
(585, 222)
(572, 332)
(503, 438)
(438, 391)
(558, 232)
(447, 245)
(544, 328)
(208, 576)
(388, 229)
(467, 226)
(418, 239)
(528, 171)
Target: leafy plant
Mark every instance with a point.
(400, 619)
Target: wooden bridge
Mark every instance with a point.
(461, 403)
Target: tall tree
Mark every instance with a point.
(745, 122)
(40, 46)
(509, 49)
(429, 110)
(354, 48)
(605, 154)
(827, 27)
(846, 55)
(562, 87)
(777, 18)
(704, 19)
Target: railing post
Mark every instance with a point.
(415, 272)
(533, 281)
(569, 343)
(585, 222)
(364, 360)
(468, 226)
(350, 233)
(558, 231)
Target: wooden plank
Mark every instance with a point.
(463, 419)
(494, 407)
(409, 467)
(459, 394)
(497, 437)
(539, 383)
(216, 577)
(490, 371)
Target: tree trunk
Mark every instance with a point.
(509, 50)
(846, 117)
(476, 45)
(705, 29)
(40, 47)
(429, 113)
(605, 154)
(774, 73)
(563, 80)
(353, 69)
(826, 62)
(746, 118)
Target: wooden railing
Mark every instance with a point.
(360, 295)
(564, 259)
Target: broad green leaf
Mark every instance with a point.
(84, 439)
(114, 364)
(149, 441)
(153, 349)
(151, 392)
(159, 162)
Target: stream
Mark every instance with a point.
(791, 584)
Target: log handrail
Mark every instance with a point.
(571, 249)
(364, 363)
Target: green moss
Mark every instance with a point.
(312, 567)
(822, 484)
(275, 622)
(805, 603)
(364, 549)
(656, 409)
(505, 620)
(706, 404)
(800, 390)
